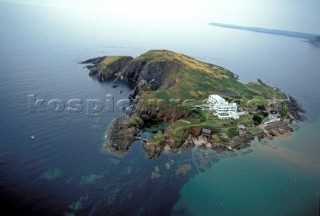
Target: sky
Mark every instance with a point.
(281, 14)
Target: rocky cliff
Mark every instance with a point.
(108, 67)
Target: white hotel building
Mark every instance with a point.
(222, 108)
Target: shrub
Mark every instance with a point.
(216, 131)
(256, 119)
(232, 132)
(261, 108)
(265, 114)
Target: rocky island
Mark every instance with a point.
(196, 103)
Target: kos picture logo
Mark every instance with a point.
(93, 106)
(90, 106)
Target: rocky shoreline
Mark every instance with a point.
(122, 133)
(295, 109)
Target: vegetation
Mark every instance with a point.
(257, 119)
(134, 120)
(261, 108)
(109, 60)
(283, 110)
(232, 132)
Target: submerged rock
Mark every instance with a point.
(52, 174)
(90, 179)
(77, 205)
(167, 166)
(155, 173)
(183, 169)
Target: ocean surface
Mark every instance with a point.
(65, 170)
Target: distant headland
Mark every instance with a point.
(312, 38)
(187, 103)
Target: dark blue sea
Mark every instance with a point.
(65, 169)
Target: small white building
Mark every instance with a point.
(222, 108)
(272, 118)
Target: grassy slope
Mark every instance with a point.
(193, 79)
(107, 61)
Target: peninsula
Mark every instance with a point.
(311, 38)
(198, 104)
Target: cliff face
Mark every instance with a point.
(106, 68)
(149, 70)
(146, 74)
(158, 115)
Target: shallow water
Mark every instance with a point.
(277, 178)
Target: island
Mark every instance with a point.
(189, 103)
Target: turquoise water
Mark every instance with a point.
(279, 177)
(65, 171)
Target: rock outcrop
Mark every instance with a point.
(106, 68)
(295, 109)
(122, 133)
(154, 73)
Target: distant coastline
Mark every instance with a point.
(312, 38)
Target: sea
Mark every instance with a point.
(65, 169)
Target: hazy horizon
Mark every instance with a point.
(267, 14)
